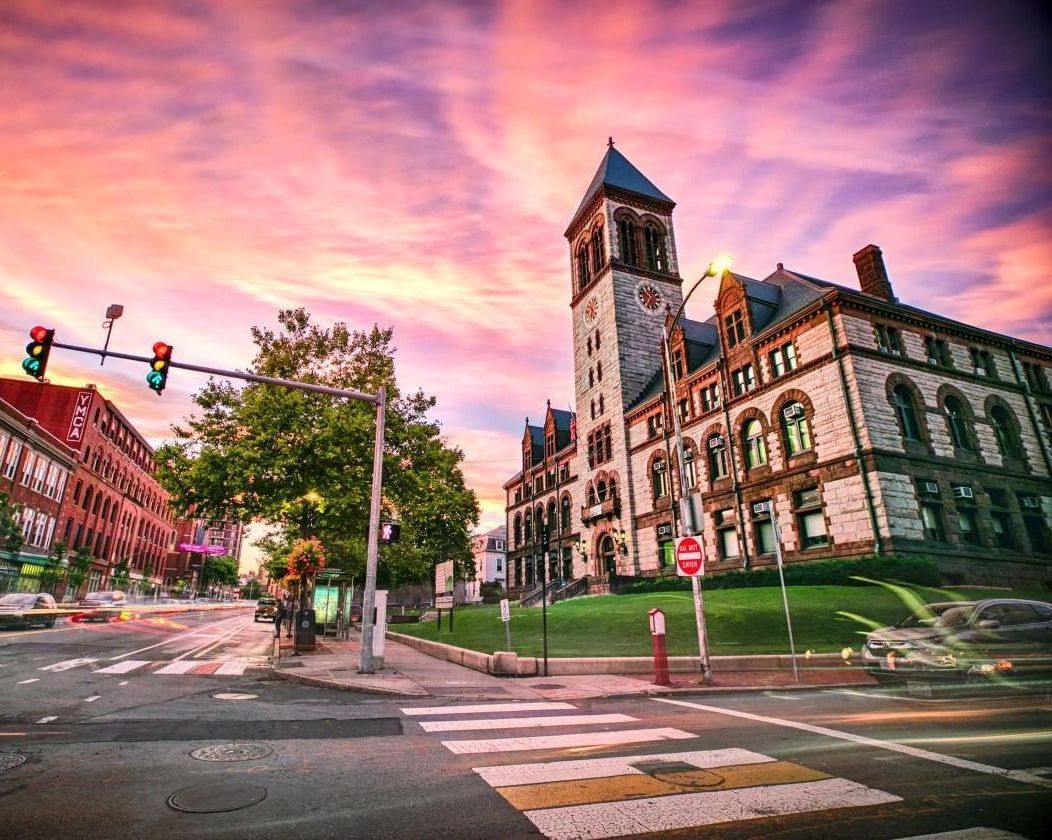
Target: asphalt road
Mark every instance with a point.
(108, 750)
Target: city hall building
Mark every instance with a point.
(855, 423)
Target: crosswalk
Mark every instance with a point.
(619, 796)
(154, 667)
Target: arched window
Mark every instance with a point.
(654, 244)
(611, 489)
(659, 478)
(583, 275)
(566, 513)
(755, 448)
(1004, 431)
(906, 412)
(528, 526)
(590, 495)
(600, 490)
(717, 457)
(797, 429)
(550, 519)
(690, 472)
(957, 424)
(598, 256)
(626, 234)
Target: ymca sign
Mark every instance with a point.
(79, 420)
(690, 561)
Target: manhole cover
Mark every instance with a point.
(549, 685)
(231, 752)
(9, 761)
(230, 695)
(216, 798)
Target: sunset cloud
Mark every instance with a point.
(415, 164)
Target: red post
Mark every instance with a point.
(657, 637)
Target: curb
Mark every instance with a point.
(321, 682)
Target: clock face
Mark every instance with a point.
(649, 297)
(591, 309)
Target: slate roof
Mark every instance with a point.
(617, 171)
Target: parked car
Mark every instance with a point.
(16, 610)
(266, 608)
(954, 639)
(110, 598)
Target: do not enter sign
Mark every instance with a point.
(690, 562)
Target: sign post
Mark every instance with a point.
(690, 562)
(505, 617)
(657, 638)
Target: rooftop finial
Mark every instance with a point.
(610, 142)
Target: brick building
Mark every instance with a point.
(34, 469)
(112, 503)
(868, 425)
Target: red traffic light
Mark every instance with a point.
(162, 349)
(38, 333)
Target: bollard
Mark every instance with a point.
(657, 637)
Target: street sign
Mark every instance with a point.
(444, 602)
(505, 610)
(690, 561)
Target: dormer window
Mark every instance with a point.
(735, 325)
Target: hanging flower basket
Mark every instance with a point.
(306, 558)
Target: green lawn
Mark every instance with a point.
(826, 619)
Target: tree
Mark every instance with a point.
(78, 569)
(304, 460)
(10, 529)
(121, 574)
(219, 570)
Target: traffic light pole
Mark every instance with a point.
(379, 399)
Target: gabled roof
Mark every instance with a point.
(562, 419)
(655, 385)
(536, 434)
(617, 171)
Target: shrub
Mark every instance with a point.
(491, 592)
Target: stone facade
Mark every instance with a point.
(868, 425)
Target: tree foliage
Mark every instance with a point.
(221, 569)
(121, 574)
(78, 569)
(258, 452)
(51, 572)
(10, 530)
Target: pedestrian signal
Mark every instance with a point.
(157, 378)
(390, 532)
(37, 352)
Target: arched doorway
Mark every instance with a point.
(607, 556)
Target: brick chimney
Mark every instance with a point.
(872, 276)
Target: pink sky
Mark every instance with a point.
(415, 164)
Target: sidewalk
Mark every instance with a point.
(408, 672)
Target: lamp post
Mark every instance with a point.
(688, 524)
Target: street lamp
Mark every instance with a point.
(688, 524)
(620, 539)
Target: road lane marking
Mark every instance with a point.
(891, 746)
(661, 784)
(123, 682)
(521, 723)
(123, 667)
(556, 742)
(48, 719)
(26, 682)
(66, 664)
(214, 642)
(202, 629)
(508, 775)
(488, 707)
(690, 810)
(880, 696)
(92, 699)
(178, 666)
(234, 669)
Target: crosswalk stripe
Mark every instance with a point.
(521, 723)
(548, 742)
(690, 810)
(66, 664)
(487, 707)
(123, 667)
(233, 669)
(180, 666)
(615, 788)
(507, 775)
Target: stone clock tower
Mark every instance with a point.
(624, 277)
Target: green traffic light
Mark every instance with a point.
(154, 378)
(31, 366)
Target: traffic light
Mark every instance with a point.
(37, 351)
(157, 378)
(390, 532)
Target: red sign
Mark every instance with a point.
(80, 417)
(690, 561)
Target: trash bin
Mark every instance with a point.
(305, 630)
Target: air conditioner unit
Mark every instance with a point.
(716, 442)
(963, 493)
(929, 488)
(793, 412)
(1030, 502)
(933, 361)
(761, 508)
(894, 351)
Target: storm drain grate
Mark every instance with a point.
(215, 798)
(548, 685)
(8, 761)
(231, 752)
